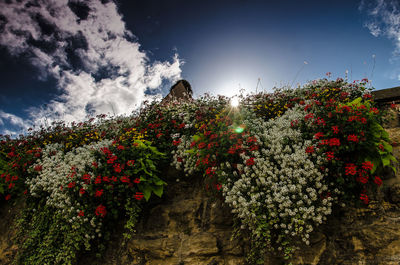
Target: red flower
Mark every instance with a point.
(114, 179)
(95, 165)
(159, 135)
(192, 144)
(71, 185)
(363, 179)
(106, 179)
(334, 142)
(11, 185)
(121, 147)
(210, 171)
(218, 186)
(374, 110)
(130, 162)
(378, 180)
(232, 150)
(393, 106)
(364, 198)
(310, 149)
(136, 180)
(367, 165)
(181, 125)
(381, 147)
(101, 211)
(38, 168)
(250, 161)
(335, 129)
(105, 150)
(329, 156)
(309, 116)
(81, 213)
(117, 168)
(351, 169)
(318, 135)
(82, 191)
(352, 138)
(86, 178)
(125, 179)
(253, 147)
(176, 142)
(138, 196)
(7, 197)
(367, 96)
(252, 139)
(98, 193)
(201, 145)
(97, 180)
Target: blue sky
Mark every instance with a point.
(66, 59)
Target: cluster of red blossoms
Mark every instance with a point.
(337, 129)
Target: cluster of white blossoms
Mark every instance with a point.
(284, 191)
(61, 171)
(285, 186)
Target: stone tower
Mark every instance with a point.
(180, 91)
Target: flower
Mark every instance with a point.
(335, 129)
(310, 149)
(250, 161)
(81, 213)
(130, 162)
(334, 142)
(98, 193)
(318, 135)
(329, 155)
(138, 196)
(351, 169)
(364, 198)
(101, 211)
(367, 165)
(38, 168)
(71, 184)
(82, 191)
(352, 138)
(378, 181)
(7, 197)
(136, 180)
(125, 179)
(201, 145)
(117, 168)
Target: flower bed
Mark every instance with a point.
(281, 161)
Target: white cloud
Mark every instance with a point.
(13, 119)
(98, 65)
(384, 20)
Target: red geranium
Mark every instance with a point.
(250, 161)
(378, 181)
(98, 193)
(101, 211)
(138, 196)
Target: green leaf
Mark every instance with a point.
(158, 190)
(387, 146)
(355, 102)
(385, 161)
(146, 192)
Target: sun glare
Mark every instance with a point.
(235, 102)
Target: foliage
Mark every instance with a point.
(282, 161)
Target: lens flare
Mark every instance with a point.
(235, 102)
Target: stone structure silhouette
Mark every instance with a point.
(180, 91)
